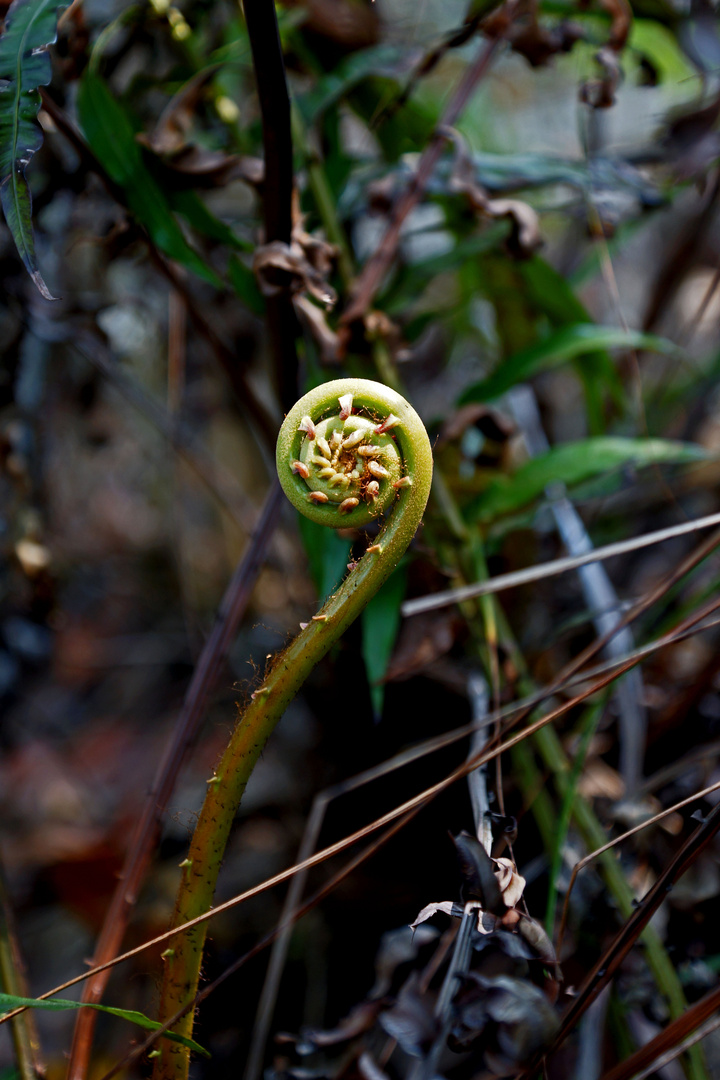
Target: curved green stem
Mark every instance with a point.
(369, 431)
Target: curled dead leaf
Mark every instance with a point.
(315, 322)
(279, 267)
(447, 907)
(526, 227)
(511, 883)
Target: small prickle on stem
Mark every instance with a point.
(390, 421)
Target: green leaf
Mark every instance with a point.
(189, 204)
(566, 344)
(377, 60)
(328, 555)
(659, 44)
(12, 1001)
(573, 463)
(108, 130)
(554, 296)
(380, 624)
(30, 26)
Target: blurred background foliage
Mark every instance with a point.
(567, 241)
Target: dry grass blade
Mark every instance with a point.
(556, 566)
(619, 840)
(416, 802)
(140, 852)
(375, 269)
(629, 933)
(286, 924)
(668, 1039)
(223, 485)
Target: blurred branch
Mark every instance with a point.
(613, 957)
(277, 188)
(222, 484)
(669, 1039)
(373, 273)
(599, 594)
(139, 855)
(255, 410)
(558, 566)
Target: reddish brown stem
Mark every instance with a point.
(378, 265)
(628, 935)
(141, 850)
(666, 1040)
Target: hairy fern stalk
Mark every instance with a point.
(348, 452)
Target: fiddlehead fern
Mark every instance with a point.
(347, 452)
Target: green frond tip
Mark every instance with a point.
(349, 450)
(30, 26)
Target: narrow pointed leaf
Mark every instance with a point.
(30, 26)
(12, 1001)
(108, 130)
(573, 463)
(566, 344)
(380, 624)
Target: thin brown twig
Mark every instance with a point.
(220, 483)
(140, 852)
(619, 840)
(286, 924)
(416, 802)
(667, 1039)
(376, 267)
(613, 957)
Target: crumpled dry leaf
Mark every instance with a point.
(359, 1020)
(510, 882)
(600, 93)
(280, 266)
(526, 227)
(478, 874)
(536, 936)
(314, 321)
(447, 907)
(512, 1016)
(411, 1021)
(303, 265)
